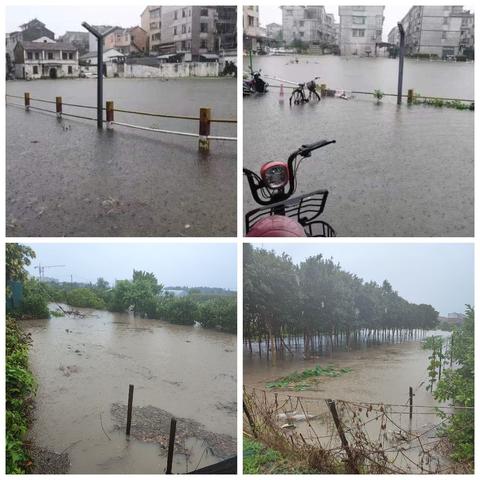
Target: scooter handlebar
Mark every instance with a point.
(305, 150)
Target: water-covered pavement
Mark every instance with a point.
(68, 179)
(394, 171)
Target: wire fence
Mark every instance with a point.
(351, 436)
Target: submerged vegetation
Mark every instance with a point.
(307, 379)
(451, 371)
(316, 304)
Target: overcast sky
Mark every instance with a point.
(437, 274)
(392, 13)
(181, 264)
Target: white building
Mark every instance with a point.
(360, 29)
(46, 59)
(251, 29)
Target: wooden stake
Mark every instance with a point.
(171, 445)
(58, 106)
(129, 408)
(110, 113)
(204, 130)
(410, 96)
(341, 434)
(27, 97)
(410, 399)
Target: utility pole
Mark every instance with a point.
(41, 269)
(99, 36)
(401, 54)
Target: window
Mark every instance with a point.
(184, 28)
(174, 30)
(184, 45)
(301, 23)
(204, 27)
(183, 13)
(64, 56)
(204, 12)
(445, 20)
(70, 70)
(50, 55)
(251, 21)
(358, 32)
(358, 20)
(37, 56)
(301, 34)
(35, 70)
(175, 15)
(29, 56)
(444, 35)
(203, 44)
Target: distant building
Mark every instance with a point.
(252, 38)
(127, 40)
(46, 59)
(226, 28)
(360, 29)
(394, 36)
(437, 30)
(28, 32)
(274, 31)
(92, 39)
(151, 22)
(78, 39)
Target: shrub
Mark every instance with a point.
(84, 298)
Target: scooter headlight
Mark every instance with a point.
(275, 174)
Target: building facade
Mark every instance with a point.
(151, 22)
(34, 60)
(308, 24)
(92, 39)
(28, 32)
(77, 39)
(252, 39)
(437, 30)
(361, 29)
(127, 40)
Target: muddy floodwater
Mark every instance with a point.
(66, 178)
(381, 374)
(84, 366)
(394, 171)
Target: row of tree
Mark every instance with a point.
(308, 305)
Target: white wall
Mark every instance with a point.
(172, 70)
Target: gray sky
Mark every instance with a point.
(437, 274)
(199, 264)
(59, 19)
(392, 13)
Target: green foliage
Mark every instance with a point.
(219, 313)
(439, 102)
(17, 257)
(300, 381)
(378, 94)
(20, 386)
(457, 386)
(179, 310)
(34, 302)
(84, 298)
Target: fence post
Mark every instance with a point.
(323, 89)
(58, 106)
(26, 96)
(129, 408)
(110, 113)
(341, 433)
(410, 399)
(171, 444)
(204, 130)
(410, 96)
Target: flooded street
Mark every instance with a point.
(68, 179)
(84, 366)
(379, 375)
(404, 171)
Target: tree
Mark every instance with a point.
(17, 257)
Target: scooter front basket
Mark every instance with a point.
(305, 209)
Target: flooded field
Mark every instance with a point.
(379, 375)
(68, 179)
(84, 367)
(404, 171)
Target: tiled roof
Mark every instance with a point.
(49, 46)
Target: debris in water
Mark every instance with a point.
(48, 462)
(152, 424)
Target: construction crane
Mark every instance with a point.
(41, 269)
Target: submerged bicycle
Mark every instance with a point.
(298, 95)
(279, 214)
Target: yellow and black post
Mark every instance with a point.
(110, 113)
(204, 130)
(58, 106)
(26, 96)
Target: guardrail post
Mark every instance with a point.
(58, 106)
(110, 114)
(410, 401)
(204, 130)
(410, 96)
(129, 408)
(26, 96)
(171, 445)
(323, 90)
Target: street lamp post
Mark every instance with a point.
(99, 36)
(401, 54)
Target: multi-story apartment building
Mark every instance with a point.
(274, 31)
(436, 30)
(226, 27)
(467, 34)
(394, 36)
(310, 24)
(92, 39)
(252, 38)
(127, 40)
(360, 29)
(45, 59)
(151, 22)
